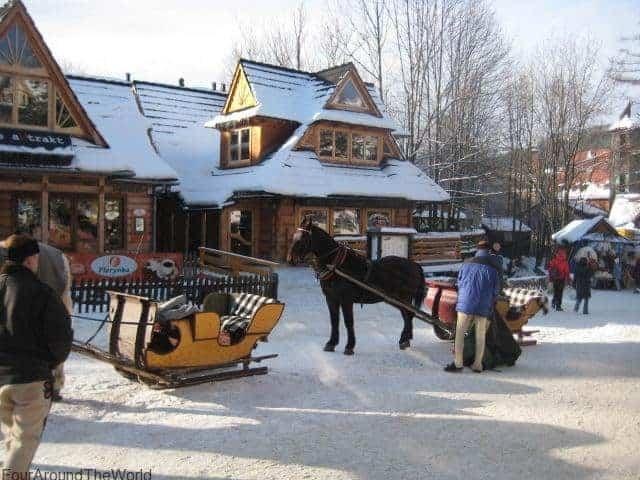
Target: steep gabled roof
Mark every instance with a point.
(15, 12)
(298, 96)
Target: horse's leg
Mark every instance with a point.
(407, 331)
(334, 313)
(347, 313)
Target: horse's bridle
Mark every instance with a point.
(341, 252)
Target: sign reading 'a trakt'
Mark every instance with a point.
(24, 138)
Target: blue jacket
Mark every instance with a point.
(478, 286)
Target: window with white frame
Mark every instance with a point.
(239, 145)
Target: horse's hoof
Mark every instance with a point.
(404, 345)
(329, 348)
(348, 351)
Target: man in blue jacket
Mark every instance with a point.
(478, 286)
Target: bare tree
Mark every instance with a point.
(281, 42)
(451, 58)
(358, 30)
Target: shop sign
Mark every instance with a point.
(112, 266)
(144, 266)
(23, 138)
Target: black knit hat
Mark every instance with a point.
(20, 247)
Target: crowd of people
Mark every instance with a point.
(580, 270)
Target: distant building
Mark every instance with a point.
(625, 144)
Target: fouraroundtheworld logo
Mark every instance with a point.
(81, 474)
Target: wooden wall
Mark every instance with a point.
(142, 242)
(6, 220)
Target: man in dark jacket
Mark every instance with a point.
(54, 270)
(478, 287)
(35, 337)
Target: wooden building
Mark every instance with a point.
(284, 144)
(77, 166)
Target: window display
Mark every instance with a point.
(346, 221)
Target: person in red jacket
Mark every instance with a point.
(559, 275)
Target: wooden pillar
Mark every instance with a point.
(203, 232)
(101, 208)
(44, 210)
(187, 222)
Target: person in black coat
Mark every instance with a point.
(582, 280)
(35, 337)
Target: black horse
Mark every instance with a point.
(397, 277)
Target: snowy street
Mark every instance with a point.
(570, 408)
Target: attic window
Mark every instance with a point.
(64, 120)
(15, 50)
(350, 97)
(239, 145)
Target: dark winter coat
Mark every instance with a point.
(35, 327)
(582, 279)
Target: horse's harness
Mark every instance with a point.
(340, 255)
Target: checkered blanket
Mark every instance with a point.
(520, 297)
(242, 308)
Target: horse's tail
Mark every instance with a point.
(421, 292)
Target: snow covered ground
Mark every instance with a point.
(570, 408)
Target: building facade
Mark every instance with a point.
(77, 167)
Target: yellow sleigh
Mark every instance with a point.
(214, 344)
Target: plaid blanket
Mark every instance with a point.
(520, 297)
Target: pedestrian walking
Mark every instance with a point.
(582, 279)
(35, 337)
(618, 274)
(478, 287)
(559, 275)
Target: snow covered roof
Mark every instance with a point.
(629, 118)
(585, 208)
(579, 229)
(625, 212)
(504, 224)
(293, 173)
(300, 97)
(590, 191)
(179, 115)
(113, 109)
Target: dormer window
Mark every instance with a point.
(349, 96)
(342, 146)
(239, 143)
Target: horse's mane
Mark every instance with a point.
(324, 240)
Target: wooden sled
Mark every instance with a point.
(202, 353)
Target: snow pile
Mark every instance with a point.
(112, 107)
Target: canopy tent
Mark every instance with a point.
(596, 233)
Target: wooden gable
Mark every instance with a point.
(35, 61)
(240, 96)
(351, 94)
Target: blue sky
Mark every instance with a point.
(162, 40)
